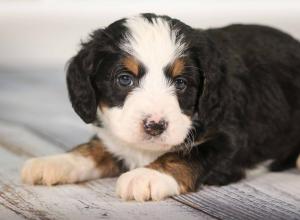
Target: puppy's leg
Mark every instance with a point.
(85, 162)
(169, 175)
(176, 173)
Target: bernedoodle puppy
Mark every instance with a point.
(175, 107)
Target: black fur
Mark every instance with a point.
(251, 99)
(244, 89)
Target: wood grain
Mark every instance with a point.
(268, 196)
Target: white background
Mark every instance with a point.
(47, 33)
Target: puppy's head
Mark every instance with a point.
(139, 78)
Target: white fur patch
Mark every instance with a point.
(56, 169)
(144, 184)
(133, 156)
(155, 46)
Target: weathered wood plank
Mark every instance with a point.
(38, 100)
(21, 141)
(8, 214)
(269, 196)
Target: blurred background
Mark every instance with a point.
(37, 37)
(47, 32)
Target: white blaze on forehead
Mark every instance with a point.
(154, 44)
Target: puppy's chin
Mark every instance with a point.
(153, 146)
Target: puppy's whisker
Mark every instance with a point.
(188, 143)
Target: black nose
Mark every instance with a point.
(155, 128)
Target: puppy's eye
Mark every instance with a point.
(125, 80)
(180, 83)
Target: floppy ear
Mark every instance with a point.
(81, 91)
(213, 68)
(218, 64)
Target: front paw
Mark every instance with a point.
(58, 169)
(144, 184)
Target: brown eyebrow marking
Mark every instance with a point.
(177, 67)
(131, 64)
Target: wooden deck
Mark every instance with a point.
(36, 119)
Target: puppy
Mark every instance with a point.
(175, 107)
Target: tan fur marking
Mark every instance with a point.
(131, 64)
(102, 106)
(177, 67)
(104, 160)
(182, 171)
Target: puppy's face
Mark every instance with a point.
(143, 79)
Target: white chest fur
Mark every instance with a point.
(132, 156)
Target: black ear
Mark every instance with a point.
(81, 91)
(217, 64)
(213, 68)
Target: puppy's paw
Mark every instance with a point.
(144, 184)
(58, 169)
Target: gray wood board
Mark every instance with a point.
(38, 100)
(267, 196)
